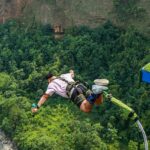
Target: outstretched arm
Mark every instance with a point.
(41, 101)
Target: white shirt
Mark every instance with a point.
(58, 86)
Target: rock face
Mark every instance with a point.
(69, 12)
(5, 143)
(7, 10)
(64, 12)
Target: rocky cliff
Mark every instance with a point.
(69, 12)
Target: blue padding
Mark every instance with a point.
(145, 76)
(91, 98)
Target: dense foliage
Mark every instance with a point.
(105, 52)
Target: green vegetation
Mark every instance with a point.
(106, 51)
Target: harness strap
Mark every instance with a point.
(70, 86)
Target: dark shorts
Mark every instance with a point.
(79, 94)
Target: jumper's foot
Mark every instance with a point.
(101, 82)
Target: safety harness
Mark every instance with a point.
(76, 91)
(71, 86)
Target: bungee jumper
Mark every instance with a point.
(84, 98)
(77, 92)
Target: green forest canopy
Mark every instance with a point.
(104, 52)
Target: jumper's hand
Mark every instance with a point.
(34, 108)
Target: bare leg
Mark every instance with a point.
(86, 106)
(99, 100)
